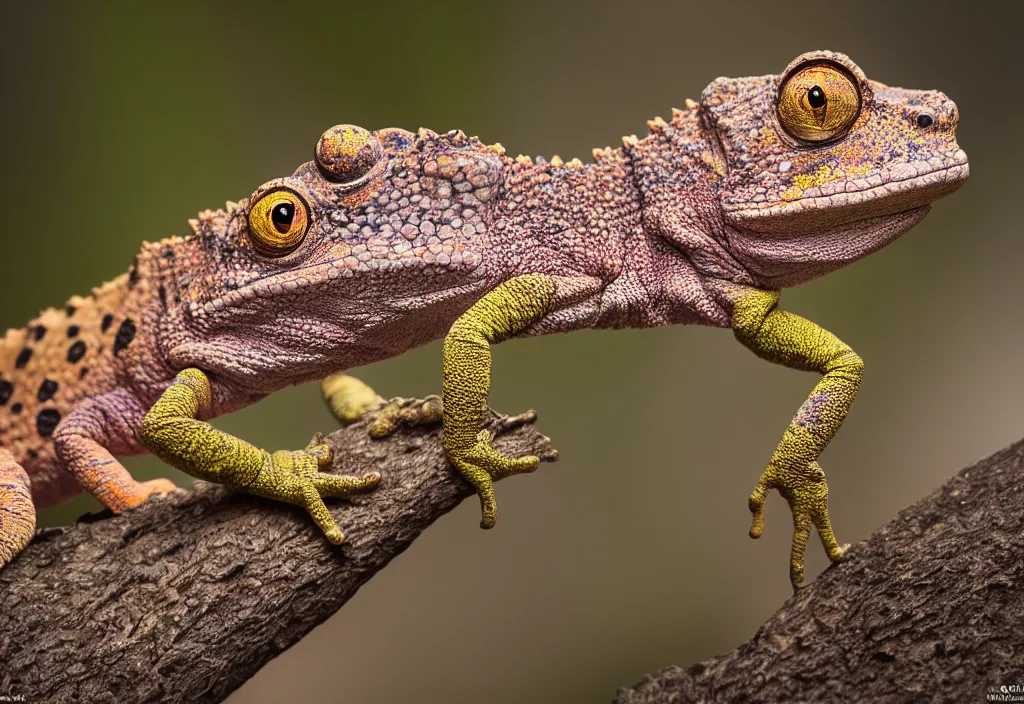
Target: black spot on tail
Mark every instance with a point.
(23, 357)
(76, 351)
(73, 331)
(47, 389)
(6, 390)
(70, 310)
(16, 408)
(46, 421)
(108, 320)
(125, 335)
(39, 331)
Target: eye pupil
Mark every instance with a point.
(282, 216)
(816, 97)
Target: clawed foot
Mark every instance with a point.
(351, 400)
(295, 477)
(403, 412)
(482, 465)
(806, 491)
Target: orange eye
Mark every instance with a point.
(818, 103)
(278, 222)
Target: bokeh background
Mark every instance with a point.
(121, 121)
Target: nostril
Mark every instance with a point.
(924, 120)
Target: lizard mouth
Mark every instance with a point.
(900, 189)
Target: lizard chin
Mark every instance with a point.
(788, 260)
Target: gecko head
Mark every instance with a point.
(304, 267)
(820, 166)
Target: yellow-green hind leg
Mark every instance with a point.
(348, 398)
(507, 310)
(788, 339)
(172, 432)
(351, 400)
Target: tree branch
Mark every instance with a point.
(186, 597)
(929, 608)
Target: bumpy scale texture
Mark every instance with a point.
(388, 240)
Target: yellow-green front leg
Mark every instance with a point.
(788, 339)
(508, 309)
(171, 432)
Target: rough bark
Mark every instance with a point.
(929, 609)
(186, 597)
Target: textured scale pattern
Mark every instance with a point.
(388, 240)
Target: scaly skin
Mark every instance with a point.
(388, 240)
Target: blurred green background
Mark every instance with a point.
(119, 122)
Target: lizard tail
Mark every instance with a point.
(17, 512)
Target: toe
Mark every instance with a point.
(159, 486)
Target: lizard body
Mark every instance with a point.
(388, 240)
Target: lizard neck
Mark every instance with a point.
(679, 169)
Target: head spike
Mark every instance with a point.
(630, 140)
(497, 148)
(574, 163)
(656, 125)
(525, 160)
(556, 161)
(690, 104)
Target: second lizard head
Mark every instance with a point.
(822, 166)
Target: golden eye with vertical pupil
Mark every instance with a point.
(278, 222)
(818, 103)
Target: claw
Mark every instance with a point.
(319, 450)
(511, 422)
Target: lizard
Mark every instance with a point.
(387, 240)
